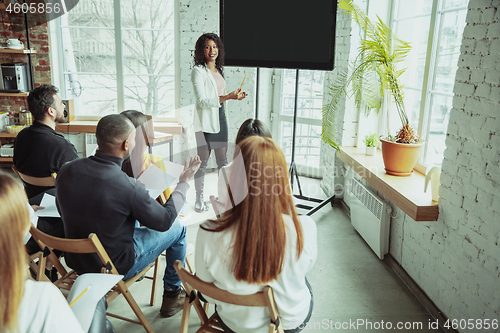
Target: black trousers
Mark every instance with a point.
(50, 225)
(217, 140)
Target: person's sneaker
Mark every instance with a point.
(173, 302)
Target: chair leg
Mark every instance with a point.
(202, 314)
(41, 267)
(133, 304)
(205, 307)
(155, 281)
(189, 265)
(185, 316)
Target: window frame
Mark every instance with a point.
(277, 117)
(57, 56)
(427, 93)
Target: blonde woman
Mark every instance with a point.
(25, 305)
(261, 241)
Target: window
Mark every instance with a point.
(434, 28)
(118, 55)
(308, 131)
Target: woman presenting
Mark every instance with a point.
(210, 93)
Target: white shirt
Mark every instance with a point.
(213, 259)
(207, 100)
(44, 309)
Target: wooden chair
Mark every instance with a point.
(192, 284)
(49, 181)
(43, 182)
(92, 245)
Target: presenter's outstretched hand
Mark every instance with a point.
(237, 94)
(189, 170)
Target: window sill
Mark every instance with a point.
(407, 193)
(89, 126)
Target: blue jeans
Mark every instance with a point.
(149, 244)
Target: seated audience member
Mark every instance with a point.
(95, 196)
(26, 306)
(259, 242)
(39, 150)
(250, 127)
(139, 160)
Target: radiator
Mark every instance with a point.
(370, 216)
(90, 144)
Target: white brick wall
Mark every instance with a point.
(333, 179)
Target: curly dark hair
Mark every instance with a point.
(199, 55)
(40, 99)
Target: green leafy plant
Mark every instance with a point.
(371, 140)
(370, 76)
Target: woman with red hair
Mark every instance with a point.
(260, 241)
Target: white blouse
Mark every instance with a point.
(213, 261)
(44, 309)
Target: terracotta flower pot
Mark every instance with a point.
(400, 158)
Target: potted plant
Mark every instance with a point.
(371, 141)
(368, 79)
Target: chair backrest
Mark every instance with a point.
(49, 181)
(262, 298)
(92, 244)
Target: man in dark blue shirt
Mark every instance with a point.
(95, 196)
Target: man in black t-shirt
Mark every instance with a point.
(39, 150)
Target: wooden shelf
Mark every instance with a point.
(405, 192)
(89, 126)
(7, 135)
(32, 51)
(6, 159)
(23, 94)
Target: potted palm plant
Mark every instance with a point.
(368, 79)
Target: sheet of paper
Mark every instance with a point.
(49, 202)
(174, 170)
(84, 307)
(155, 180)
(34, 221)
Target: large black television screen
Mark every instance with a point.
(298, 34)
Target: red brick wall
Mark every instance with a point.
(12, 26)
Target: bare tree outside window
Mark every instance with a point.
(146, 62)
